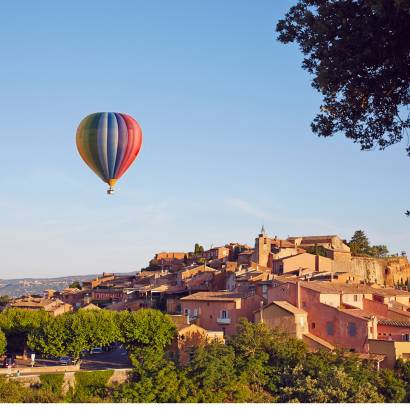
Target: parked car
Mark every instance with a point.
(9, 360)
(96, 350)
(65, 361)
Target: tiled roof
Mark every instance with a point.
(319, 341)
(334, 287)
(214, 296)
(394, 323)
(287, 306)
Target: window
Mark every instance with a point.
(329, 328)
(195, 312)
(313, 325)
(351, 329)
(187, 312)
(224, 314)
(355, 298)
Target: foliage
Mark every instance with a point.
(4, 300)
(403, 370)
(52, 383)
(75, 285)
(257, 364)
(360, 246)
(91, 386)
(71, 333)
(18, 324)
(11, 391)
(165, 384)
(3, 342)
(212, 373)
(146, 333)
(392, 388)
(198, 250)
(317, 250)
(359, 55)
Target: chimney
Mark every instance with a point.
(298, 296)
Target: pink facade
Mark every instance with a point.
(301, 261)
(391, 331)
(285, 291)
(375, 308)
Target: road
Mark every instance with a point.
(115, 359)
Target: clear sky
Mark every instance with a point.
(225, 112)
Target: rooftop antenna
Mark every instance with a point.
(263, 230)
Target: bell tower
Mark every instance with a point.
(262, 249)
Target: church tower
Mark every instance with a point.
(262, 249)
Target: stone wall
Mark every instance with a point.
(369, 269)
(388, 271)
(398, 271)
(119, 376)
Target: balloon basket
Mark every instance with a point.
(110, 191)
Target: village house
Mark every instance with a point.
(189, 337)
(53, 306)
(220, 252)
(347, 316)
(220, 311)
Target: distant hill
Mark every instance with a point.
(36, 286)
(20, 287)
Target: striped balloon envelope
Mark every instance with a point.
(109, 142)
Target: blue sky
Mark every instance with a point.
(225, 112)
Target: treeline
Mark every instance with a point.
(256, 365)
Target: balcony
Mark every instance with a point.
(223, 320)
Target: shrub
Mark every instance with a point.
(91, 386)
(52, 383)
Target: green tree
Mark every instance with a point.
(359, 244)
(359, 55)
(391, 387)
(3, 342)
(75, 285)
(51, 339)
(18, 324)
(379, 251)
(403, 370)
(4, 300)
(212, 373)
(146, 333)
(251, 347)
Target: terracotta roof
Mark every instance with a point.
(91, 306)
(214, 296)
(288, 307)
(31, 302)
(319, 341)
(369, 356)
(396, 323)
(334, 287)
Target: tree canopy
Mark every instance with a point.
(358, 52)
(256, 365)
(3, 342)
(360, 246)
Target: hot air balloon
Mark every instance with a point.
(109, 142)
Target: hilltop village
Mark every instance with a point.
(311, 287)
